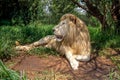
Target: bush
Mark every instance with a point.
(102, 40)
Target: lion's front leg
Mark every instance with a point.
(73, 62)
(45, 42)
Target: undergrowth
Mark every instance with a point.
(25, 35)
(101, 40)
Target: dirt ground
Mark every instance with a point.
(98, 68)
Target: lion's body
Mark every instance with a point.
(71, 37)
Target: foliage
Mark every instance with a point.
(102, 40)
(25, 11)
(60, 7)
(29, 11)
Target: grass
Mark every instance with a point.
(43, 52)
(114, 75)
(51, 75)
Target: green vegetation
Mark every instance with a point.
(44, 52)
(101, 40)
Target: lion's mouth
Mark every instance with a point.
(59, 37)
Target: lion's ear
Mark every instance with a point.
(63, 18)
(76, 21)
(73, 19)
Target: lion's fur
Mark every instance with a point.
(77, 40)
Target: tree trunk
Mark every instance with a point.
(116, 15)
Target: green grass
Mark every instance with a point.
(44, 52)
(114, 75)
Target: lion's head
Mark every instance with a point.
(72, 32)
(61, 30)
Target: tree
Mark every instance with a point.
(116, 14)
(60, 7)
(102, 10)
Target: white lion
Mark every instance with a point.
(71, 38)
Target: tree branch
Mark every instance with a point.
(90, 8)
(79, 5)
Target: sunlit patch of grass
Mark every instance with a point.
(116, 60)
(112, 54)
(113, 75)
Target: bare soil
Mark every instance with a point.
(98, 68)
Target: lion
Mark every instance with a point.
(71, 38)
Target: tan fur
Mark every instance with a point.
(76, 41)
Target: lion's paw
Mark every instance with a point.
(74, 64)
